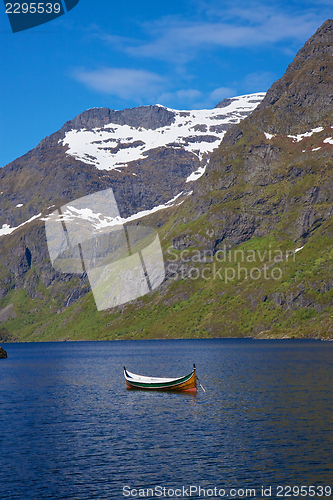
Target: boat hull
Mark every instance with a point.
(183, 384)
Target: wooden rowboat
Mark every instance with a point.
(187, 383)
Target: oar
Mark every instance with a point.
(202, 387)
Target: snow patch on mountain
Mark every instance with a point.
(299, 137)
(99, 221)
(198, 132)
(198, 173)
(6, 229)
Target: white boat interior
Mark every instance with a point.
(148, 380)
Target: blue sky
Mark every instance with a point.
(184, 54)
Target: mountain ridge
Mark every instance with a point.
(49, 175)
(304, 94)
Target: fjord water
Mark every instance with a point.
(71, 430)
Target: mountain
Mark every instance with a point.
(150, 156)
(247, 245)
(147, 155)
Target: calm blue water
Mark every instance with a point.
(69, 429)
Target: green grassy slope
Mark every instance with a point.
(292, 297)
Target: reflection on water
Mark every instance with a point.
(71, 430)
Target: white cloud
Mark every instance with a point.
(179, 40)
(124, 83)
(145, 87)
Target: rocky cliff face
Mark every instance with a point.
(303, 97)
